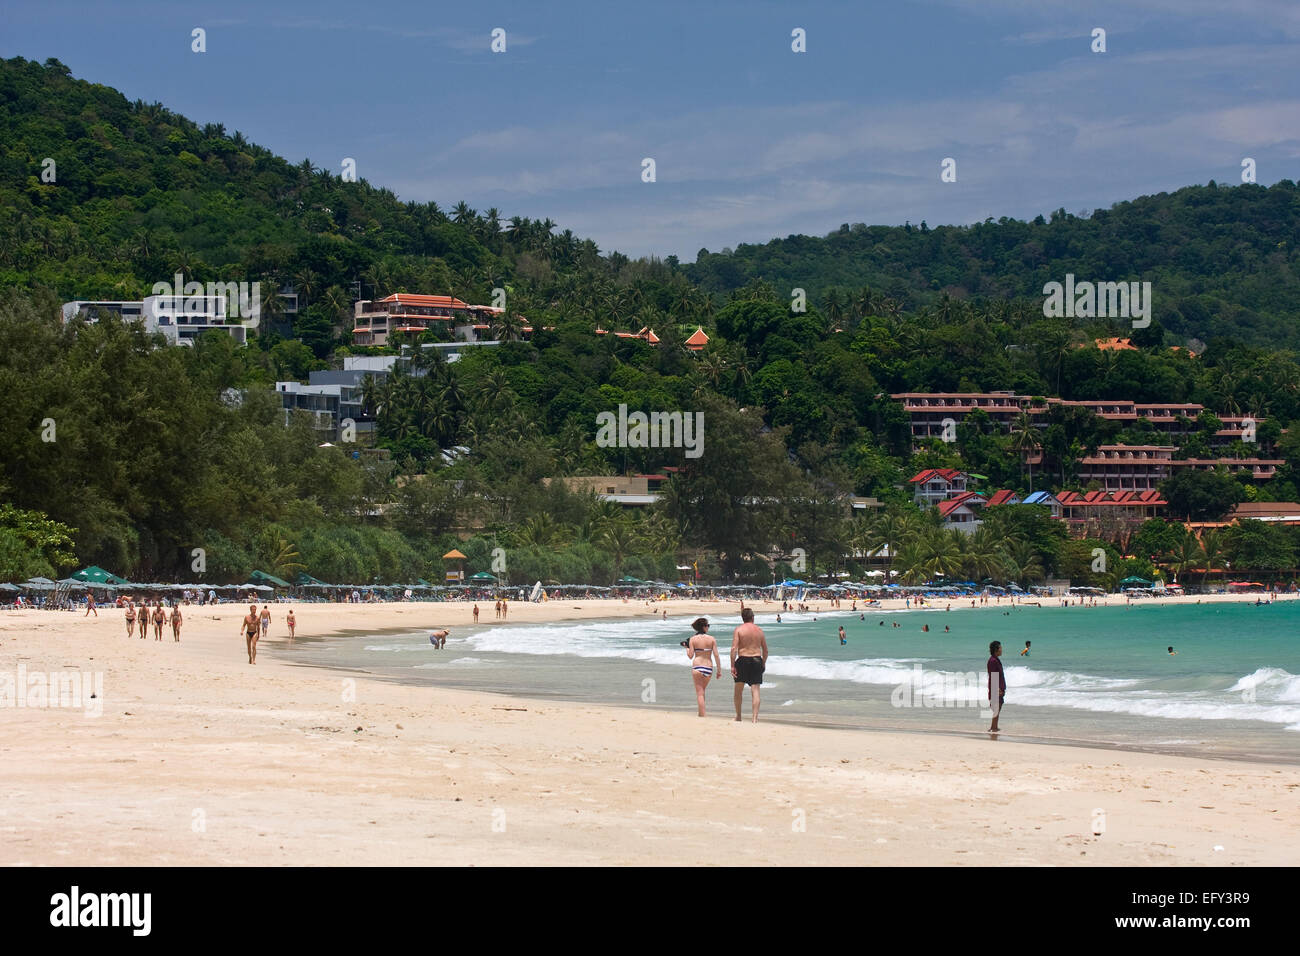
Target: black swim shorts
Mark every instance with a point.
(749, 670)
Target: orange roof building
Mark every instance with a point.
(1115, 345)
(408, 312)
(698, 340)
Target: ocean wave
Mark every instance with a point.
(1269, 694)
(1269, 683)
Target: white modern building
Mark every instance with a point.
(180, 318)
(328, 404)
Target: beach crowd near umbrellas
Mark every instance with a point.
(111, 589)
(108, 588)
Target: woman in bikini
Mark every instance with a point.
(176, 622)
(159, 615)
(130, 619)
(701, 647)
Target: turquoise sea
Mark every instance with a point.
(1098, 676)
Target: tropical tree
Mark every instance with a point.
(619, 539)
(1025, 442)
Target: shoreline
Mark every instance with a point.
(199, 758)
(773, 714)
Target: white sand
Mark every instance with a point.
(199, 758)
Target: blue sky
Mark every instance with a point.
(750, 139)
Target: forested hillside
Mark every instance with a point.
(1222, 261)
(153, 457)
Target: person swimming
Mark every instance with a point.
(1025, 652)
(1172, 652)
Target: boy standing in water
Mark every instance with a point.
(995, 667)
(1025, 652)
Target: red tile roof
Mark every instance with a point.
(1002, 497)
(407, 298)
(1148, 497)
(947, 474)
(950, 505)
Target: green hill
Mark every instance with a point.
(1222, 261)
(152, 460)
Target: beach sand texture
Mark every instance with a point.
(201, 759)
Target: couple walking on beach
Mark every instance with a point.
(748, 659)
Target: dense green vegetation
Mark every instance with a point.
(1222, 261)
(156, 453)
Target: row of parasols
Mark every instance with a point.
(97, 579)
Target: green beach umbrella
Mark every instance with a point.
(97, 575)
(261, 577)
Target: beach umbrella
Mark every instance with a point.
(9, 587)
(1135, 580)
(97, 585)
(482, 576)
(97, 575)
(261, 577)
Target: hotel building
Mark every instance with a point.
(405, 312)
(180, 318)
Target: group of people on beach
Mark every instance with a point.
(749, 654)
(158, 615)
(255, 626)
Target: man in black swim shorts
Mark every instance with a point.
(748, 659)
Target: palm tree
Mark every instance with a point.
(539, 531)
(888, 531)
(462, 214)
(373, 395)
(982, 557)
(508, 327)
(1025, 441)
(1212, 552)
(712, 366)
(618, 538)
(379, 277)
(1022, 562)
(834, 310)
(942, 553)
(305, 283)
(285, 560)
(271, 304)
(1186, 555)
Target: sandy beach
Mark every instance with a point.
(199, 758)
